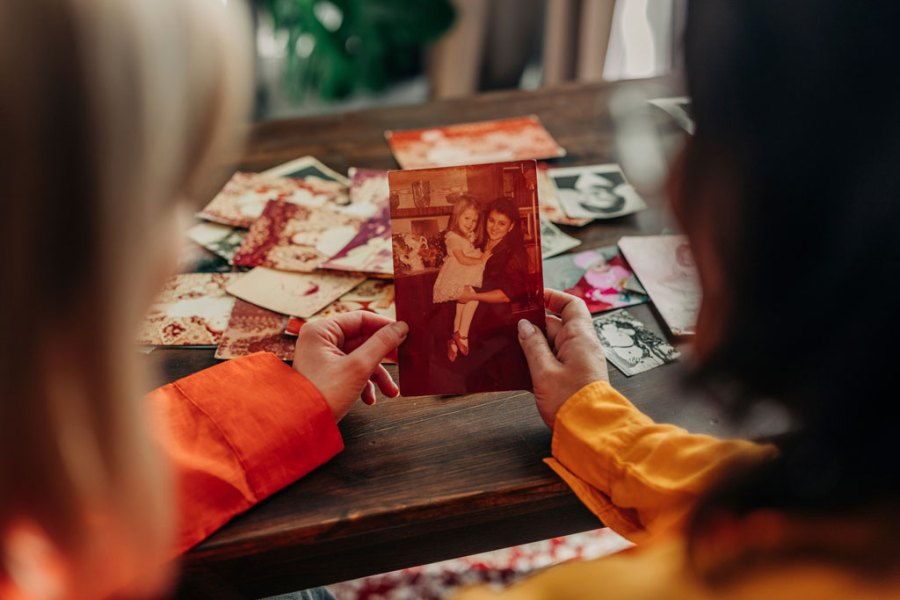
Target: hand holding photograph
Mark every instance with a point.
(467, 268)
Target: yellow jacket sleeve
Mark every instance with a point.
(637, 476)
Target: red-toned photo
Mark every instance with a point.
(467, 267)
(473, 143)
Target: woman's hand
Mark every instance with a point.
(572, 359)
(467, 295)
(342, 357)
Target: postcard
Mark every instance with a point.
(548, 198)
(596, 192)
(370, 250)
(222, 240)
(629, 345)
(467, 267)
(306, 167)
(254, 329)
(297, 294)
(597, 276)
(678, 108)
(665, 266)
(242, 201)
(554, 241)
(292, 237)
(473, 143)
(191, 310)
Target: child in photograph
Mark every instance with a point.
(463, 266)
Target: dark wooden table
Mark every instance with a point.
(428, 478)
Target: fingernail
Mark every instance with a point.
(525, 329)
(401, 328)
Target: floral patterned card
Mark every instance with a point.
(254, 329)
(473, 143)
(244, 197)
(299, 294)
(191, 310)
(370, 250)
(599, 277)
(295, 238)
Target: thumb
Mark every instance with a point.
(371, 352)
(537, 350)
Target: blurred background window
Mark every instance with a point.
(319, 56)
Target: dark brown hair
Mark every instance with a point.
(796, 113)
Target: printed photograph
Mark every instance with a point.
(596, 192)
(191, 310)
(473, 143)
(630, 345)
(307, 167)
(293, 294)
(219, 239)
(295, 238)
(554, 241)
(242, 201)
(600, 277)
(548, 199)
(665, 267)
(678, 108)
(255, 329)
(370, 250)
(467, 267)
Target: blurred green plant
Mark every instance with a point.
(338, 47)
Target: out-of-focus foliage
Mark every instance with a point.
(338, 47)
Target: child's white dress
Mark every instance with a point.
(455, 276)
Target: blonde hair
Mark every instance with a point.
(110, 111)
(462, 204)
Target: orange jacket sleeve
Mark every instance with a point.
(238, 432)
(638, 476)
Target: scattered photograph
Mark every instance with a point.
(373, 295)
(222, 240)
(191, 310)
(678, 108)
(597, 276)
(292, 294)
(255, 329)
(467, 267)
(369, 251)
(307, 167)
(554, 241)
(596, 192)
(665, 267)
(297, 238)
(548, 198)
(242, 201)
(473, 143)
(629, 345)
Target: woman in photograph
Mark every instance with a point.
(814, 514)
(505, 279)
(113, 113)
